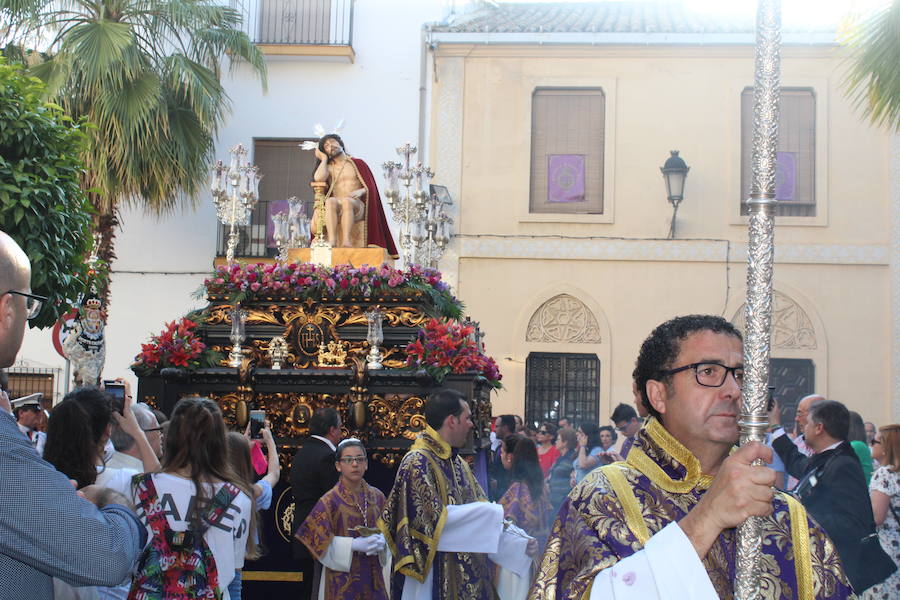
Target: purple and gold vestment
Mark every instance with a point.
(611, 514)
(534, 517)
(336, 514)
(431, 477)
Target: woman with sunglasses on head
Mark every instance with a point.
(341, 532)
(589, 449)
(884, 490)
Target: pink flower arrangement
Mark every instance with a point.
(305, 280)
(444, 347)
(297, 279)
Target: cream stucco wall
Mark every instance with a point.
(835, 266)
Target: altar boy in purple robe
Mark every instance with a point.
(340, 532)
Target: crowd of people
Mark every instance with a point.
(100, 502)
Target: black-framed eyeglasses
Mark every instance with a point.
(710, 374)
(33, 303)
(349, 460)
(543, 432)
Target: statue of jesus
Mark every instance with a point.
(354, 216)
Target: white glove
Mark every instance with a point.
(369, 545)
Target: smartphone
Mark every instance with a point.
(257, 422)
(116, 392)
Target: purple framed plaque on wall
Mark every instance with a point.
(565, 178)
(786, 176)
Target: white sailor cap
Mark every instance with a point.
(29, 400)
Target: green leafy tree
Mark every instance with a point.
(42, 204)
(147, 74)
(874, 80)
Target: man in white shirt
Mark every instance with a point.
(662, 524)
(127, 453)
(27, 411)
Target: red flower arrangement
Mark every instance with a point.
(178, 345)
(444, 347)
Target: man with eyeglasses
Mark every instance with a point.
(34, 550)
(665, 519)
(129, 454)
(625, 418)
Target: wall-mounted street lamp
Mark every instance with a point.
(674, 171)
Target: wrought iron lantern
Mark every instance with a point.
(675, 172)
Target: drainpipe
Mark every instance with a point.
(423, 93)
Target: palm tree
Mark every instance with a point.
(147, 75)
(874, 80)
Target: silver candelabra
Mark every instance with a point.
(291, 229)
(424, 223)
(374, 336)
(235, 191)
(238, 321)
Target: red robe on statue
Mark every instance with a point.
(378, 232)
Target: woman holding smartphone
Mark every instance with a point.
(77, 432)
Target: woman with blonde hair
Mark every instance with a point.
(884, 490)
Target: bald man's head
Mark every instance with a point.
(15, 275)
(803, 408)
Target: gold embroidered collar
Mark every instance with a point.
(662, 448)
(432, 441)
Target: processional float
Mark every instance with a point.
(294, 332)
(760, 261)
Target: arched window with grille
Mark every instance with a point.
(561, 385)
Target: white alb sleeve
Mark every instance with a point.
(472, 527)
(512, 554)
(339, 554)
(668, 568)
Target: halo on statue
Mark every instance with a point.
(319, 131)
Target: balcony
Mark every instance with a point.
(317, 29)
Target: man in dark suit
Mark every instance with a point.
(505, 426)
(312, 474)
(831, 484)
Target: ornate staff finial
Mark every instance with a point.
(761, 250)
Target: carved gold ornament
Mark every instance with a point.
(333, 354)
